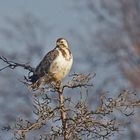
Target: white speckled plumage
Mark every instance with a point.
(60, 67)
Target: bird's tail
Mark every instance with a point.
(33, 78)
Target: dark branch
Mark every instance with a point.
(13, 65)
(80, 80)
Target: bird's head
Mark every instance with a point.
(61, 42)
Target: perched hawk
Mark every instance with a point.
(55, 65)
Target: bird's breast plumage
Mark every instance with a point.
(61, 65)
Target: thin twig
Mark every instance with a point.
(13, 65)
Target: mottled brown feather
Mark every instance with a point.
(44, 65)
(65, 54)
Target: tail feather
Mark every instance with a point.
(33, 78)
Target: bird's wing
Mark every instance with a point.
(44, 65)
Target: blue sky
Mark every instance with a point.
(63, 17)
(54, 12)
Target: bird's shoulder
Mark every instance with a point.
(44, 65)
(50, 56)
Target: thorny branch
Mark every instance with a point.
(13, 65)
(78, 122)
(75, 120)
(79, 80)
(124, 102)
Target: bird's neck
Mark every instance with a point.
(65, 52)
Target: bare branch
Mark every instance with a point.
(79, 80)
(13, 65)
(124, 102)
(76, 121)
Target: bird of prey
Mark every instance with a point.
(55, 65)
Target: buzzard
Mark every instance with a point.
(55, 65)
